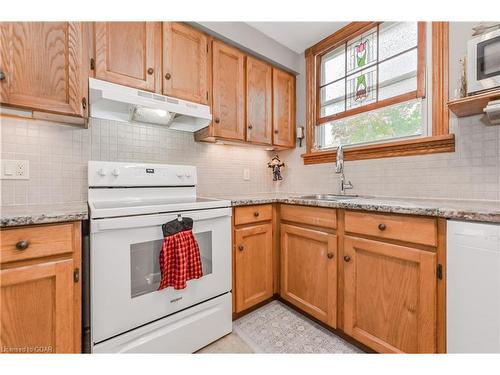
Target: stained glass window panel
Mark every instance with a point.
(398, 75)
(333, 65)
(333, 98)
(396, 37)
(362, 88)
(362, 51)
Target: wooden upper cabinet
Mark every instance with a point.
(390, 296)
(283, 108)
(253, 261)
(185, 62)
(37, 308)
(228, 107)
(259, 112)
(129, 53)
(45, 66)
(309, 271)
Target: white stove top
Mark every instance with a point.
(125, 189)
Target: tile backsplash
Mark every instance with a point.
(58, 157)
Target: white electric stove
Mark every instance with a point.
(128, 204)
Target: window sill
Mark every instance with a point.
(420, 146)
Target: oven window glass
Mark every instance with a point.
(489, 58)
(145, 266)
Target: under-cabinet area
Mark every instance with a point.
(377, 278)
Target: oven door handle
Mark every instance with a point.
(99, 225)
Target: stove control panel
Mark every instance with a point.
(114, 174)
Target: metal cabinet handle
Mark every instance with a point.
(256, 214)
(329, 255)
(22, 245)
(381, 227)
(150, 71)
(241, 248)
(168, 76)
(2, 76)
(347, 258)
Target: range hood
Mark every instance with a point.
(110, 101)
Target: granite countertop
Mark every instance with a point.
(471, 210)
(42, 214)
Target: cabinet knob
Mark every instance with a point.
(347, 258)
(381, 226)
(2, 76)
(276, 131)
(217, 120)
(150, 71)
(84, 103)
(329, 255)
(22, 245)
(168, 76)
(240, 248)
(250, 127)
(256, 214)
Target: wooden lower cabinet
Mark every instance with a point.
(40, 289)
(253, 260)
(37, 308)
(309, 271)
(390, 296)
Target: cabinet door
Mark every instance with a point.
(253, 265)
(37, 308)
(309, 271)
(390, 296)
(228, 92)
(129, 53)
(185, 63)
(283, 108)
(259, 101)
(43, 65)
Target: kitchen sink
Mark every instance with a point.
(328, 197)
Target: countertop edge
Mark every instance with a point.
(467, 215)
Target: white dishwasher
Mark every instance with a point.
(473, 287)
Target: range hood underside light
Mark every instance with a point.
(151, 116)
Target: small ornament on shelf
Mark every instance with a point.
(276, 164)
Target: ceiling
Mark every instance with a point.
(297, 36)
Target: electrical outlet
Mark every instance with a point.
(246, 174)
(15, 170)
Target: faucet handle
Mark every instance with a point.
(348, 185)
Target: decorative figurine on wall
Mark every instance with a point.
(276, 164)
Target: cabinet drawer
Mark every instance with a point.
(317, 216)
(253, 214)
(38, 241)
(419, 230)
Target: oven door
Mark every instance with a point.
(484, 62)
(125, 270)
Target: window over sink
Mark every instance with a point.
(366, 89)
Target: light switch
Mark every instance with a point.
(15, 169)
(246, 174)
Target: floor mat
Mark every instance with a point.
(276, 328)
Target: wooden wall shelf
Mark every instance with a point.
(472, 105)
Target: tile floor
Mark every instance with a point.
(276, 328)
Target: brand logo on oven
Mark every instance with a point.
(175, 300)
(150, 170)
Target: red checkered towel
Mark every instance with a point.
(180, 255)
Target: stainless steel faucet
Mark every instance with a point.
(339, 168)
